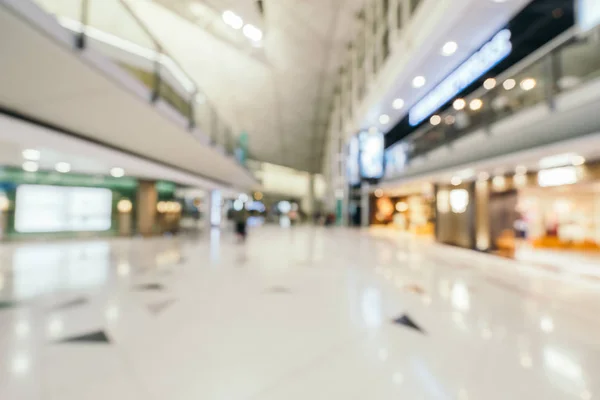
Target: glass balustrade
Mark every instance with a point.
(113, 29)
(533, 82)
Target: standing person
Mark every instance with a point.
(241, 222)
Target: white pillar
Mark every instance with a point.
(215, 209)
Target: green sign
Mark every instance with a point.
(18, 176)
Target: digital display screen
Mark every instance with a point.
(371, 155)
(588, 14)
(395, 159)
(42, 209)
(352, 161)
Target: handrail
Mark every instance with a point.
(542, 75)
(140, 53)
(518, 67)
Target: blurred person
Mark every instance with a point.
(241, 224)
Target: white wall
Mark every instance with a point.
(289, 182)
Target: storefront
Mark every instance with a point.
(554, 209)
(409, 208)
(54, 205)
(456, 214)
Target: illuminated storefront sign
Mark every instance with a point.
(588, 14)
(478, 64)
(371, 155)
(557, 176)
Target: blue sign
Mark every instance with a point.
(478, 64)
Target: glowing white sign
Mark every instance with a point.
(395, 159)
(371, 155)
(557, 176)
(352, 161)
(42, 209)
(478, 64)
(459, 200)
(588, 14)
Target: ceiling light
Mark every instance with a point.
(547, 324)
(489, 84)
(449, 119)
(117, 172)
(521, 170)
(233, 20)
(476, 104)
(459, 104)
(31, 154)
(435, 120)
(509, 84)
(466, 173)
(63, 167)
(378, 193)
(578, 160)
(484, 176)
(499, 182)
(520, 180)
(419, 81)
(528, 84)
(449, 48)
(398, 104)
(30, 166)
(252, 32)
(456, 181)
(499, 1)
(384, 119)
(560, 160)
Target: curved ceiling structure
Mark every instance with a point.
(278, 90)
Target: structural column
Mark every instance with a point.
(311, 196)
(215, 209)
(147, 197)
(365, 201)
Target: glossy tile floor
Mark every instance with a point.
(294, 314)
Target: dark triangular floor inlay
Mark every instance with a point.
(98, 337)
(406, 321)
(150, 287)
(159, 307)
(80, 301)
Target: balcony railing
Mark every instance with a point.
(112, 28)
(569, 61)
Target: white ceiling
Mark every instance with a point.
(279, 93)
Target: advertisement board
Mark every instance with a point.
(396, 158)
(371, 155)
(45, 209)
(352, 166)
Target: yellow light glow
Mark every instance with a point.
(124, 206)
